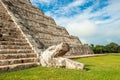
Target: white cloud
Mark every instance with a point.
(87, 25)
(78, 25)
(82, 29)
(41, 1)
(70, 7)
(45, 1)
(74, 4)
(113, 32)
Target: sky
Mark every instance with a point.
(93, 21)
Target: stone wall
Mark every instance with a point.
(41, 30)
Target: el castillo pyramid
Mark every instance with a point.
(25, 32)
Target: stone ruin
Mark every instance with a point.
(25, 32)
(53, 57)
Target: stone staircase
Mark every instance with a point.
(15, 51)
(16, 54)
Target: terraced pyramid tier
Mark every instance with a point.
(15, 50)
(41, 30)
(25, 32)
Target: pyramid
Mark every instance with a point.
(25, 32)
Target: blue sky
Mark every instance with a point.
(93, 21)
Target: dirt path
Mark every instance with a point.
(82, 56)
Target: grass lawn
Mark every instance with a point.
(97, 68)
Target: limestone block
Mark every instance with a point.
(67, 63)
(51, 57)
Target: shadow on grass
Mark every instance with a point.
(87, 67)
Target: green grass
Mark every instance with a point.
(97, 68)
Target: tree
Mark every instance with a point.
(112, 47)
(109, 48)
(118, 49)
(98, 49)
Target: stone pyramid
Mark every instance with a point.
(25, 32)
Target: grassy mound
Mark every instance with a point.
(97, 68)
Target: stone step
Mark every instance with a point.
(14, 40)
(11, 38)
(15, 36)
(17, 56)
(17, 61)
(9, 51)
(13, 43)
(12, 31)
(7, 34)
(18, 66)
(14, 47)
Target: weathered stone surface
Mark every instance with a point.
(51, 57)
(42, 31)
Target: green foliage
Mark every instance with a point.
(109, 48)
(97, 68)
(112, 47)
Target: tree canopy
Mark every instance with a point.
(109, 48)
